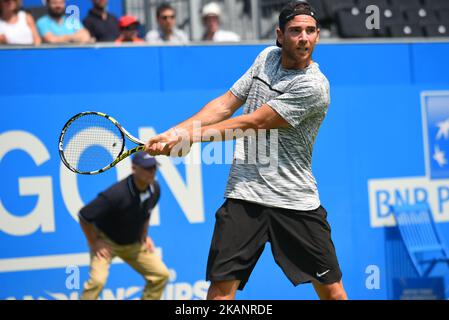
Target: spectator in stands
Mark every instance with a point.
(57, 28)
(211, 19)
(129, 30)
(167, 31)
(17, 26)
(102, 25)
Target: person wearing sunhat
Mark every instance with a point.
(129, 30)
(211, 15)
(116, 223)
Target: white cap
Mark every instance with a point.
(211, 9)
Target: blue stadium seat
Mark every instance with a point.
(421, 237)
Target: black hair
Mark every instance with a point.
(162, 7)
(293, 9)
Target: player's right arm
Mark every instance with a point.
(215, 111)
(223, 107)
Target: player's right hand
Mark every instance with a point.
(162, 144)
(101, 249)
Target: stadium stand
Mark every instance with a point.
(338, 19)
(398, 18)
(436, 4)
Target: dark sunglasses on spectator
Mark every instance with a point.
(168, 17)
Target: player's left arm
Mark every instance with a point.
(264, 117)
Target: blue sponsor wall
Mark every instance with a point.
(374, 130)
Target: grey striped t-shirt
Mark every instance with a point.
(277, 171)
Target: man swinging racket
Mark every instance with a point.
(283, 91)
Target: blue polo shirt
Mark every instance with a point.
(66, 26)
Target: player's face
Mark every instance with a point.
(167, 20)
(299, 39)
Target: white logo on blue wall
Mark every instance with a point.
(436, 134)
(439, 154)
(433, 188)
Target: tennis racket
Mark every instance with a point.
(93, 142)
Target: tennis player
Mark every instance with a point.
(284, 90)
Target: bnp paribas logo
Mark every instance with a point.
(437, 113)
(432, 188)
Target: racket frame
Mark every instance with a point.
(122, 155)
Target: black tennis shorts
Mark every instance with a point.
(300, 242)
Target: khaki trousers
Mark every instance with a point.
(148, 264)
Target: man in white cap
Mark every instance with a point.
(211, 19)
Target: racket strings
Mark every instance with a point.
(91, 142)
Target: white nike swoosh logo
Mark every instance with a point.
(319, 275)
